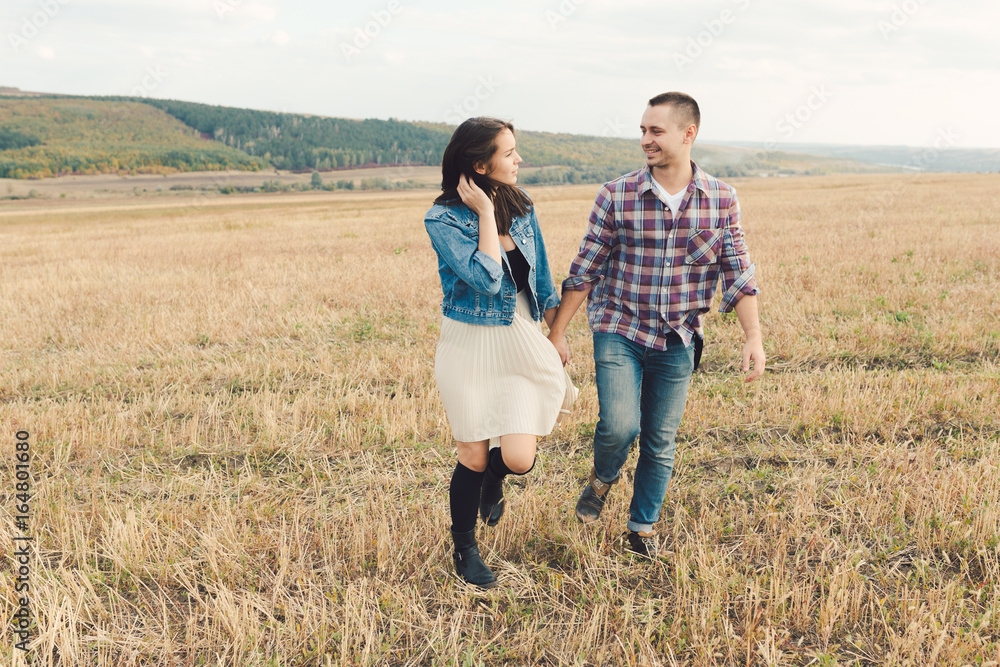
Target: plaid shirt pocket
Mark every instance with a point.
(703, 246)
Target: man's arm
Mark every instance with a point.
(571, 302)
(586, 268)
(753, 349)
(550, 317)
(740, 290)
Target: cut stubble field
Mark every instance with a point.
(240, 456)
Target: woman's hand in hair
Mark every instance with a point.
(473, 196)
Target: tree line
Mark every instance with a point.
(300, 142)
(44, 137)
(53, 135)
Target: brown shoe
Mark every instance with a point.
(591, 501)
(645, 544)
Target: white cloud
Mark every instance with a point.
(395, 57)
(258, 11)
(597, 67)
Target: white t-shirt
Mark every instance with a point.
(673, 202)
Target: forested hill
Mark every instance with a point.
(42, 137)
(299, 142)
(51, 135)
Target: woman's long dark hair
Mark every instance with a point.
(473, 144)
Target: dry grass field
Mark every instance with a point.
(70, 189)
(239, 456)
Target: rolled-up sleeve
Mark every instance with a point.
(462, 254)
(737, 273)
(587, 267)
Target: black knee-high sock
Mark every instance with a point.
(464, 498)
(499, 468)
(497, 465)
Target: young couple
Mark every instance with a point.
(657, 242)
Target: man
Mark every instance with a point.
(658, 241)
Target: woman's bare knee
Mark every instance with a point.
(518, 452)
(472, 454)
(521, 464)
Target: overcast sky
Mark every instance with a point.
(903, 72)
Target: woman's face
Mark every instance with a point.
(503, 166)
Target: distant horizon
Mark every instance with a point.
(852, 73)
(740, 143)
(737, 143)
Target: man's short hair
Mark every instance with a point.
(687, 109)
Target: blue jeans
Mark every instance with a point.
(641, 392)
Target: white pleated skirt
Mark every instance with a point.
(498, 380)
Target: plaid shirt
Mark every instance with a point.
(650, 274)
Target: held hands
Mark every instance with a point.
(753, 351)
(558, 341)
(473, 196)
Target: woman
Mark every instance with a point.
(498, 375)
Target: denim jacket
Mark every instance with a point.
(477, 289)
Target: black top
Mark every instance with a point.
(518, 268)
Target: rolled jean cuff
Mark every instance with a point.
(638, 527)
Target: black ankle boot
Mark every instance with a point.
(468, 562)
(491, 501)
